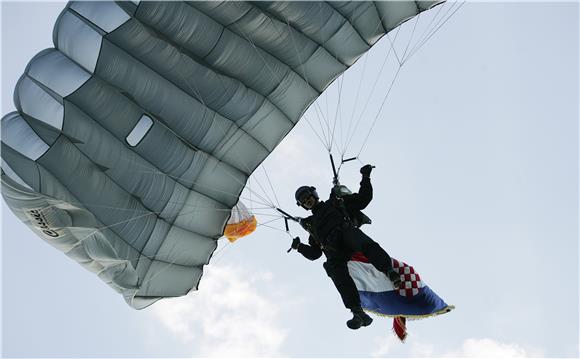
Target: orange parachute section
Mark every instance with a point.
(241, 223)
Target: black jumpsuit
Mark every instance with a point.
(336, 236)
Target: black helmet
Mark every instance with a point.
(303, 193)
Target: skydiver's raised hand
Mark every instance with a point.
(295, 244)
(365, 170)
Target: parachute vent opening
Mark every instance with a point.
(139, 131)
(242, 223)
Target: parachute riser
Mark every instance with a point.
(335, 178)
(335, 181)
(287, 217)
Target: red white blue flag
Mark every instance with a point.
(413, 300)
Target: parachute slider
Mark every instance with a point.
(242, 222)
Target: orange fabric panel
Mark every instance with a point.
(241, 229)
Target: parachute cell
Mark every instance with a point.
(136, 134)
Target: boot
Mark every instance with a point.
(359, 319)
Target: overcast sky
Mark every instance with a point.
(476, 186)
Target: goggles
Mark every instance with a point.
(304, 193)
(304, 197)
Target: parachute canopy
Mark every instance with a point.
(137, 132)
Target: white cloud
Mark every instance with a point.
(390, 345)
(487, 348)
(299, 151)
(384, 346)
(470, 348)
(227, 317)
(422, 350)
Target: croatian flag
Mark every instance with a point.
(414, 300)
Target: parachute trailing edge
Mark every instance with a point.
(137, 132)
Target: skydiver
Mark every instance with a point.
(334, 231)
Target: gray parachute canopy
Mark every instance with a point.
(137, 132)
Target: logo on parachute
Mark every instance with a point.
(39, 221)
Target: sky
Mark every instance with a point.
(476, 186)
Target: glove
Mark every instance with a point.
(395, 278)
(296, 243)
(366, 170)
